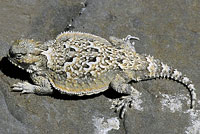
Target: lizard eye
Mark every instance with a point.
(18, 56)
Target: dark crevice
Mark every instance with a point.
(84, 5)
(70, 26)
(13, 71)
(124, 124)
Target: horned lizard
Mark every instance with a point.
(80, 64)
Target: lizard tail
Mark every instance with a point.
(157, 69)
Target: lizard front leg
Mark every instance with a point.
(120, 85)
(42, 86)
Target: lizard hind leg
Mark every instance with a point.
(125, 43)
(130, 100)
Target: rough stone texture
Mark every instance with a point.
(169, 30)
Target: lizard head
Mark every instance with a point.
(23, 53)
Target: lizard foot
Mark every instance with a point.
(130, 37)
(23, 87)
(121, 104)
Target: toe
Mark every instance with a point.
(17, 89)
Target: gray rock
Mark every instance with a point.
(167, 30)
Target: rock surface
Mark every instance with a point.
(168, 30)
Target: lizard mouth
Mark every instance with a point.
(14, 62)
(17, 64)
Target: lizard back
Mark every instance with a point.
(81, 63)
